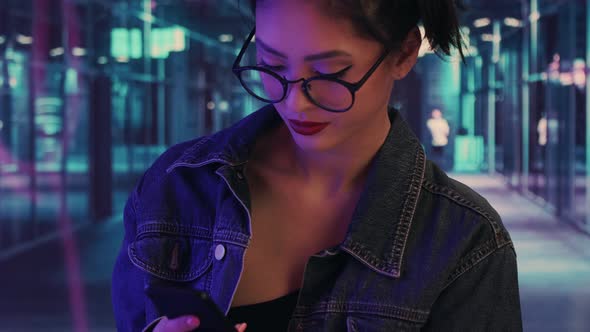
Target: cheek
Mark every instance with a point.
(354, 120)
(376, 92)
(369, 103)
(373, 96)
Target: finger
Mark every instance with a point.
(241, 327)
(161, 324)
(180, 324)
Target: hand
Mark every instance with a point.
(185, 324)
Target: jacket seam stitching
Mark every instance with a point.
(388, 311)
(173, 229)
(408, 210)
(172, 276)
(467, 263)
(458, 199)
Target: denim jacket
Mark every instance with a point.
(423, 252)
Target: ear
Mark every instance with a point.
(404, 60)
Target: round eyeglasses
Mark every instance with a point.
(325, 91)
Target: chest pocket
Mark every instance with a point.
(172, 252)
(369, 323)
(357, 317)
(353, 322)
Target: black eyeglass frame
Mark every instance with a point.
(352, 87)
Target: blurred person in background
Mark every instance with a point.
(320, 211)
(439, 131)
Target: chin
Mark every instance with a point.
(315, 143)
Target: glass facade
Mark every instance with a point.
(527, 87)
(91, 92)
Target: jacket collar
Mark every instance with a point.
(381, 222)
(231, 146)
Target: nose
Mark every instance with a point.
(296, 100)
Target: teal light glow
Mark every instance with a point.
(136, 43)
(468, 115)
(469, 152)
(526, 107)
(160, 44)
(496, 42)
(166, 40)
(47, 118)
(127, 43)
(491, 142)
(71, 82)
(534, 41)
(451, 89)
(179, 39)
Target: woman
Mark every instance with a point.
(319, 212)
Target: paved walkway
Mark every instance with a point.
(553, 260)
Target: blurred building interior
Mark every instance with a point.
(92, 91)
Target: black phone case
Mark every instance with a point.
(174, 301)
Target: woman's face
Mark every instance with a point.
(299, 29)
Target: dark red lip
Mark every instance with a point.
(307, 128)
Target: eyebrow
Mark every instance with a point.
(308, 58)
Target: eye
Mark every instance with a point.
(263, 64)
(338, 74)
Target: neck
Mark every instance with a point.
(344, 168)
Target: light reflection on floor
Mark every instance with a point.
(553, 260)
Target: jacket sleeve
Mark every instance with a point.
(483, 298)
(127, 280)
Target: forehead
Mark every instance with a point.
(303, 26)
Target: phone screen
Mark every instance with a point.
(174, 301)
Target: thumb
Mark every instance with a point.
(181, 324)
(241, 327)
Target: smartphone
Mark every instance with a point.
(174, 301)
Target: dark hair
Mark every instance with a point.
(389, 21)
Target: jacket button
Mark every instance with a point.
(219, 252)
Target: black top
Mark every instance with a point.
(271, 315)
